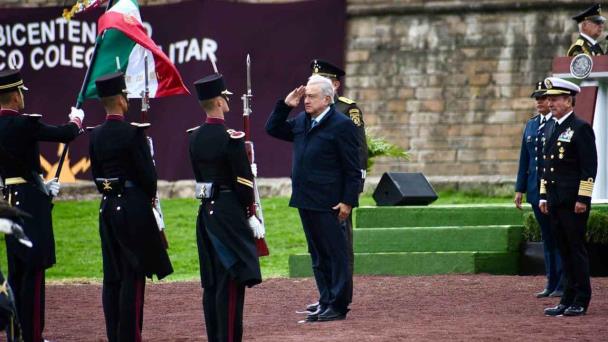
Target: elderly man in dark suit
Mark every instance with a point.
(325, 185)
(537, 131)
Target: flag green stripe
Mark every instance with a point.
(117, 44)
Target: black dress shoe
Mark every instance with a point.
(556, 293)
(544, 293)
(314, 316)
(575, 310)
(556, 310)
(332, 315)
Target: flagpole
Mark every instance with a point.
(82, 94)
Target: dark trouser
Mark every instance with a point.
(328, 248)
(123, 304)
(223, 305)
(28, 287)
(348, 228)
(553, 262)
(569, 229)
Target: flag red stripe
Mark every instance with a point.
(169, 80)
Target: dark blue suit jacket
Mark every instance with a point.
(530, 158)
(325, 164)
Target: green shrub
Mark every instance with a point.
(597, 228)
(378, 147)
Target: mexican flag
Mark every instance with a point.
(122, 45)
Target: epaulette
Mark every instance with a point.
(235, 134)
(190, 130)
(141, 125)
(90, 128)
(533, 118)
(580, 43)
(346, 100)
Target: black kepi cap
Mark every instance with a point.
(10, 80)
(324, 68)
(111, 84)
(540, 90)
(211, 86)
(593, 13)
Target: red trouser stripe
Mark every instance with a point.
(138, 308)
(231, 309)
(36, 326)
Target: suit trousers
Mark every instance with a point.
(348, 228)
(569, 229)
(328, 248)
(28, 287)
(553, 261)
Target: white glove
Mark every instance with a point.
(256, 227)
(254, 170)
(6, 226)
(53, 187)
(76, 113)
(363, 173)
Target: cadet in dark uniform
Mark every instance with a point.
(537, 131)
(565, 192)
(21, 172)
(348, 107)
(131, 244)
(591, 24)
(224, 229)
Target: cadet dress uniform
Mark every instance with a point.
(538, 129)
(20, 169)
(131, 244)
(226, 247)
(349, 108)
(584, 43)
(569, 172)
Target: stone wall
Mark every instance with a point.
(447, 80)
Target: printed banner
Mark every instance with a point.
(282, 39)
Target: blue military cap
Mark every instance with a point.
(593, 13)
(540, 90)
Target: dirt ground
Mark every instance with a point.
(437, 308)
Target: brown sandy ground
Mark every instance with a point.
(431, 308)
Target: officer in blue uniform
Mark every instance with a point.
(225, 230)
(131, 244)
(326, 177)
(565, 193)
(537, 131)
(20, 169)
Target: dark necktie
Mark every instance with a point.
(313, 124)
(543, 121)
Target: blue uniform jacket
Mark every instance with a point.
(325, 164)
(530, 159)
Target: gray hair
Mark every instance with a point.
(327, 87)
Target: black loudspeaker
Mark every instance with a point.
(400, 188)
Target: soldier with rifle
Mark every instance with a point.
(227, 227)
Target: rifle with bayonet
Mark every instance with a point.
(256, 207)
(145, 107)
